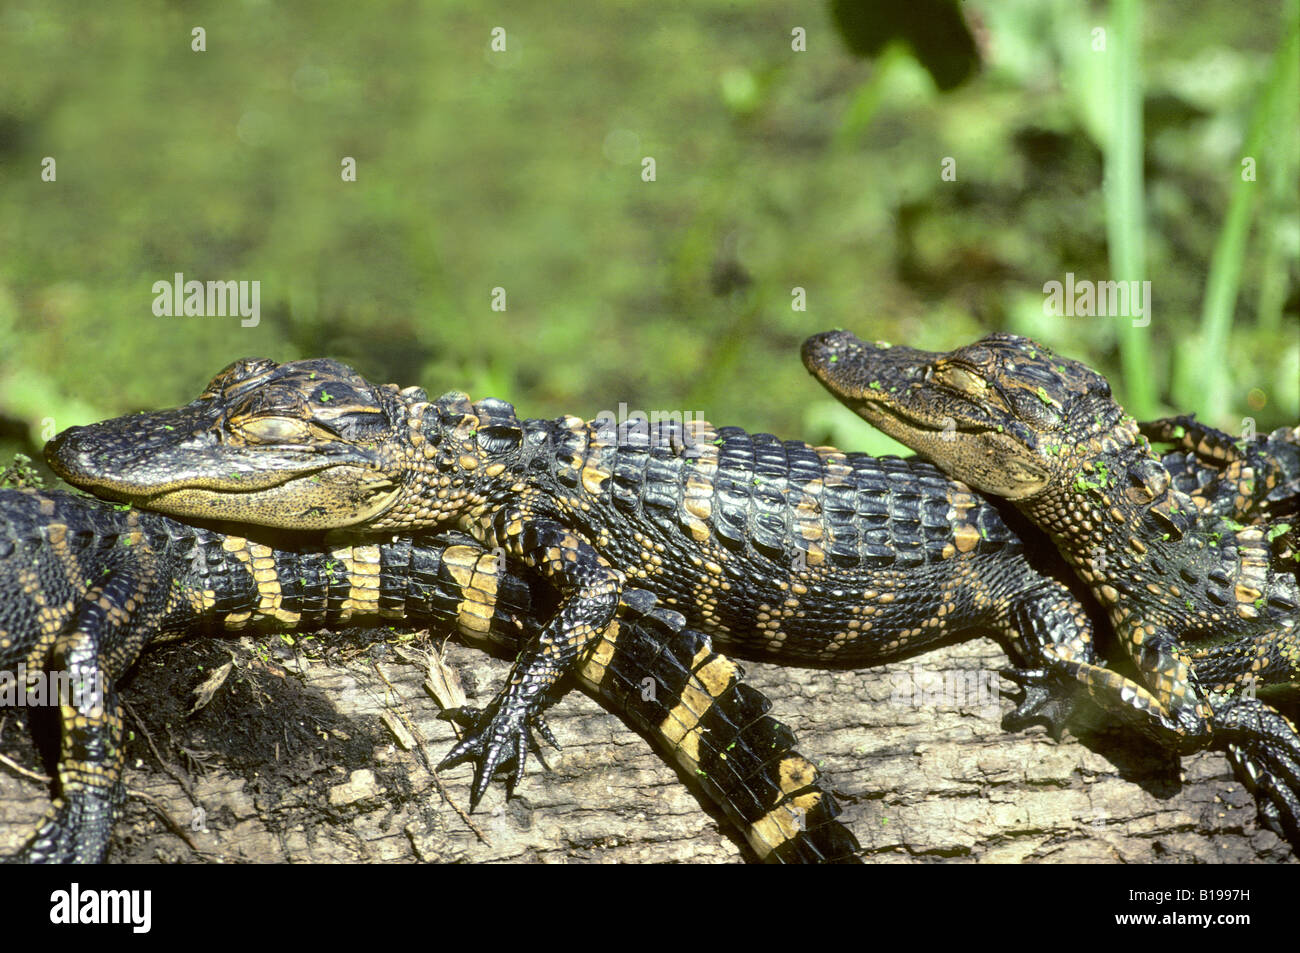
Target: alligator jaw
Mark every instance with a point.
(335, 498)
(890, 388)
(178, 470)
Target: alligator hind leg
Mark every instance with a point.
(1256, 478)
(78, 825)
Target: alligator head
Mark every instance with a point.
(300, 445)
(1003, 414)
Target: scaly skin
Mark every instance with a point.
(1206, 609)
(1251, 479)
(778, 550)
(85, 586)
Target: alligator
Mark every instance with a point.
(1251, 480)
(88, 585)
(1206, 606)
(778, 550)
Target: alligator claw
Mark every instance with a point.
(1044, 700)
(543, 729)
(497, 740)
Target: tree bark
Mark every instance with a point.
(921, 780)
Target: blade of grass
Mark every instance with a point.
(1125, 210)
(869, 96)
(1230, 250)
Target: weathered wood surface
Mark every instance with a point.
(939, 782)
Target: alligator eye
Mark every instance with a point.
(273, 430)
(961, 380)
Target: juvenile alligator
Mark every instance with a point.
(1250, 478)
(1206, 609)
(85, 586)
(779, 550)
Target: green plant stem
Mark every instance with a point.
(1264, 144)
(1125, 210)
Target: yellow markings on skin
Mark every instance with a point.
(717, 675)
(965, 536)
(593, 479)
(40, 649)
(785, 822)
(261, 561)
(682, 726)
(465, 428)
(596, 665)
(815, 555)
(57, 536)
(698, 529)
(475, 573)
(704, 453)
(362, 564)
(481, 596)
(807, 523)
(700, 508)
(467, 462)
(795, 773)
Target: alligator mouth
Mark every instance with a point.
(844, 364)
(881, 408)
(286, 487)
(320, 498)
(251, 485)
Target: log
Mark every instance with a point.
(306, 755)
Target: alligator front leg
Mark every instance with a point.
(1264, 749)
(1170, 709)
(1050, 637)
(590, 590)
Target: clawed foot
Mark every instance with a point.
(1045, 699)
(75, 830)
(496, 739)
(1264, 751)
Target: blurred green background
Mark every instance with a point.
(522, 169)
